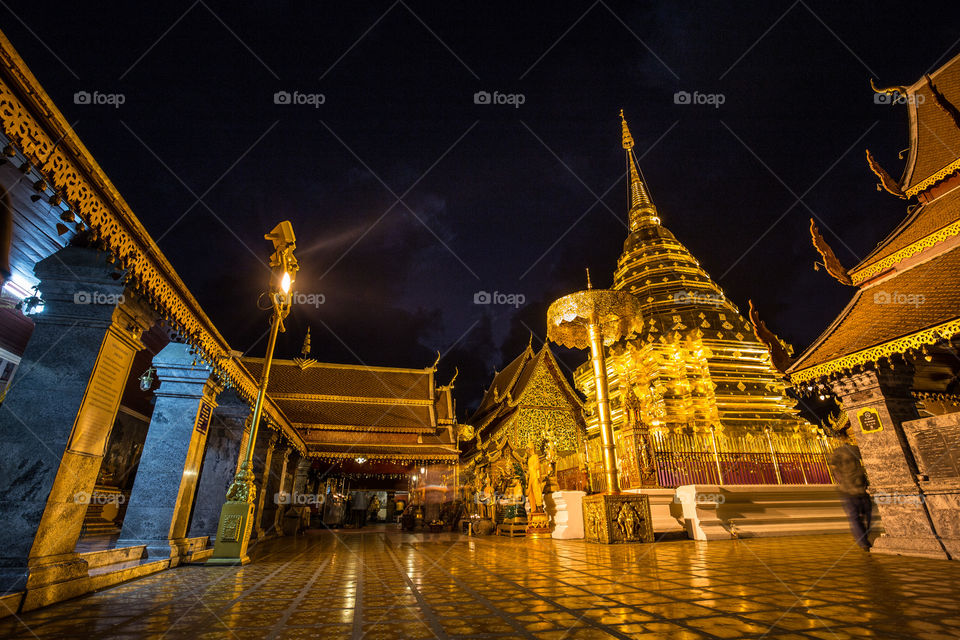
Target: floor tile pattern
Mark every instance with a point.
(382, 584)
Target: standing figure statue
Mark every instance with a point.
(534, 480)
(487, 500)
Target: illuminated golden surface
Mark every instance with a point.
(617, 313)
(380, 584)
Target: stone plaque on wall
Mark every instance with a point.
(102, 398)
(938, 450)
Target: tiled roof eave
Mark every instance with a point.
(928, 336)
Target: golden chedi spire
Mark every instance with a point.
(642, 209)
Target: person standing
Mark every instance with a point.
(359, 509)
(847, 466)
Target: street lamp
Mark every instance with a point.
(236, 516)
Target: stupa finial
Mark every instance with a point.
(305, 350)
(641, 205)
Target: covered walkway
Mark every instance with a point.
(379, 583)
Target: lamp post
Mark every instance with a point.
(236, 516)
(592, 319)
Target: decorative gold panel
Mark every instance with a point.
(615, 518)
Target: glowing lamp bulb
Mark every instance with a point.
(285, 282)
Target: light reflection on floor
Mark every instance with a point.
(384, 584)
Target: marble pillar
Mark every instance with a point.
(262, 458)
(888, 459)
(224, 446)
(159, 510)
(56, 420)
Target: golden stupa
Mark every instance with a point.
(695, 371)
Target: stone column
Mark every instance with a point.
(262, 457)
(271, 487)
(286, 479)
(159, 509)
(224, 445)
(56, 420)
(301, 476)
(888, 459)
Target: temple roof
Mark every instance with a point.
(922, 221)
(347, 411)
(506, 391)
(915, 267)
(319, 395)
(356, 381)
(934, 135)
(891, 312)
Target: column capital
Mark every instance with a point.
(78, 286)
(181, 374)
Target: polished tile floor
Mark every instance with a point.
(382, 584)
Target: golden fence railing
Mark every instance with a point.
(765, 458)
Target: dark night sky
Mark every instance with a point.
(500, 198)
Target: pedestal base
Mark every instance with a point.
(513, 528)
(538, 525)
(611, 518)
(233, 534)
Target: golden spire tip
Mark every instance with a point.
(627, 138)
(589, 284)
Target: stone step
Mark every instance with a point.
(113, 574)
(105, 557)
(198, 557)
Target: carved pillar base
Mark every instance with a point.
(611, 518)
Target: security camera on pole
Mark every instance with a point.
(236, 517)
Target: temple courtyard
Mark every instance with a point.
(381, 583)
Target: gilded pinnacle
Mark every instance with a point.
(627, 138)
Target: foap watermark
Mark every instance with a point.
(311, 299)
(704, 498)
(698, 298)
(97, 98)
(297, 98)
(298, 499)
(895, 97)
(898, 297)
(83, 497)
(485, 297)
(710, 99)
(513, 99)
(97, 297)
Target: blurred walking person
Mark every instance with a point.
(847, 466)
